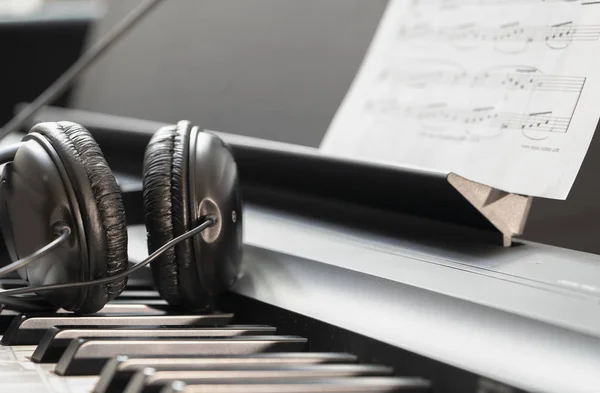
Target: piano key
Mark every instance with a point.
(88, 356)
(127, 307)
(149, 380)
(117, 371)
(56, 339)
(29, 330)
(326, 385)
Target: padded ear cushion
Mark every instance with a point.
(184, 254)
(77, 148)
(164, 204)
(157, 172)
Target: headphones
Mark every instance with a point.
(56, 180)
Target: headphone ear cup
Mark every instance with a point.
(176, 198)
(100, 202)
(158, 207)
(166, 203)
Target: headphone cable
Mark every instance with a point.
(65, 231)
(209, 221)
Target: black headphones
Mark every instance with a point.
(58, 179)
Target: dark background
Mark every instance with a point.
(274, 69)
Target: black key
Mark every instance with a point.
(149, 380)
(149, 302)
(12, 283)
(116, 307)
(133, 309)
(328, 385)
(304, 385)
(116, 373)
(88, 356)
(140, 295)
(140, 283)
(56, 339)
(29, 330)
(6, 317)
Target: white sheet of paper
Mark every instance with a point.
(502, 92)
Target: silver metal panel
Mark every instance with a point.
(528, 315)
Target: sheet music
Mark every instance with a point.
(502, 92)
(19, 7)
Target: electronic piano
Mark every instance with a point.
(357, 278)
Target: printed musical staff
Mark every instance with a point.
(556, 36)
(525, 79)
(543, 121)
(440, 113)
(444, 4)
